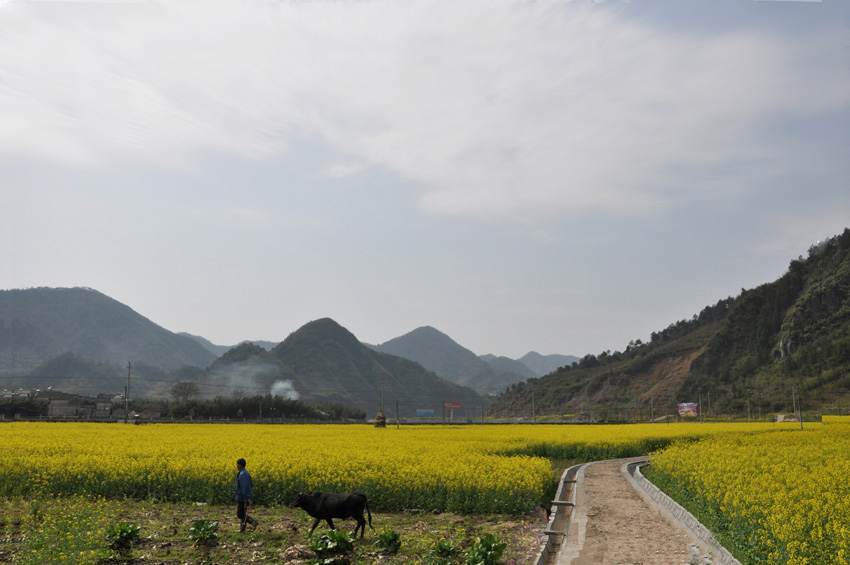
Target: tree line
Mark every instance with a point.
(248, 408)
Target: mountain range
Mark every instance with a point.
(80, 340)
(761, 350)
(322, 362)
(39, 324)
(488, 374)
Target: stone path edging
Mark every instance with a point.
(571, 519)
(561, 516)
(676, 512)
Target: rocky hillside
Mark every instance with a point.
(746, 352)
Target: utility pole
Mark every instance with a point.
(533, 416)
(798, 406)
(127, 396)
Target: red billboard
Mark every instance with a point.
(451, 405)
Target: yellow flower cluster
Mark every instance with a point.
(776, 497)
(455, 468)
(69, 530)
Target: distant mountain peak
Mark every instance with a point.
(326, 328)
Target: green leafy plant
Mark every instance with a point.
(389, 542)
(486, 551)
(444, 550)
(333, 542)
(122, 537)
(204, 533)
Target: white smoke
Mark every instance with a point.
(244, 378)
(285, 389)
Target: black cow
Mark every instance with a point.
(329, 505)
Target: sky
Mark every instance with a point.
(523, 176)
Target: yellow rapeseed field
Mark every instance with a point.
(771, 492)
(779, 498)
(455, 468)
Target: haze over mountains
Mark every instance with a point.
(488, 374)
(38, 324)
(742, 352)
(80, 340)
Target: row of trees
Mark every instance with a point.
(266, 406)
(248, 408)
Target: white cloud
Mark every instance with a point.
(493, 110)
(339, 170)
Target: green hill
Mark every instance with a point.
(743, 353)
(39, 324)
(545, 364)
(323, 362)
(439, 353)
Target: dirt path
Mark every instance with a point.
(613, 524)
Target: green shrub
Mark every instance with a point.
(204, 533)
(333, 542)
(486, 551)
(443, 552)
(389, 542)
(122, 537)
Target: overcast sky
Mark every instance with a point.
(550, 176)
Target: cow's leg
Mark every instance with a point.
(315, 523)
(330, 523)
(361, 523)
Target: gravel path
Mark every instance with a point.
(614, 525)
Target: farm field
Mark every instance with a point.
(417, 479)
(779, 497)
(73, 531)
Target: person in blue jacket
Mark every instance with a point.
(244, 496)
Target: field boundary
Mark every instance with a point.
(676, 512)
(561, 515)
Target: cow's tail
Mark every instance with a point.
(370, 514)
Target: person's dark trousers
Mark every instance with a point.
(243, 516)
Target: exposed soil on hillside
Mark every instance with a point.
(668, 376)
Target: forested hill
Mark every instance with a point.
(744, 351)
(322, 362)
(437, 352)
(39, 324)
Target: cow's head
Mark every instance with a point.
(301, 498)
